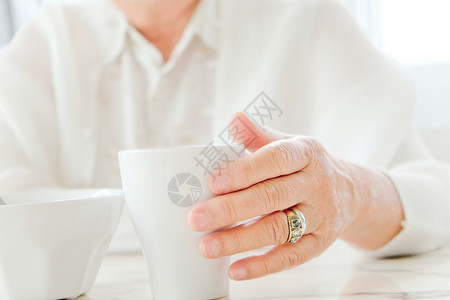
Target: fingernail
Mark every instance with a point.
(220, 183)
(211, 249)
(238, 274)
(200, 220)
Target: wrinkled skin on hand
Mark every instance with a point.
(286, 171)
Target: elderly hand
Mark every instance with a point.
(339, 200)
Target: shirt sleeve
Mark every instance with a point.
(28, 155)
(424, 188)
(366, 104)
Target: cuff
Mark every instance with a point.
(426, 205)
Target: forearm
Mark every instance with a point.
(378, 209)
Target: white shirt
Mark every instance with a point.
(79, 83)
(152, 102)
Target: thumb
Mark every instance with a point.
(243, 131)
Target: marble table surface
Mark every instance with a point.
(340, 273)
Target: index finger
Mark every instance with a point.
(275, 159)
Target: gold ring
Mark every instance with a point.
(296, 223)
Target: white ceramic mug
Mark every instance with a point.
(160, 187)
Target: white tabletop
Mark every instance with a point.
(340, 273)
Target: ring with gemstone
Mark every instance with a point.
(296, 223)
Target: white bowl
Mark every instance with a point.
(53, 242)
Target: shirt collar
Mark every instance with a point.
(112, 29)
(204, 24)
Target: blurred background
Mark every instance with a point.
(413, 32)
(416, 34)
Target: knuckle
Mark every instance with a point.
(233, 244)
(293, 258)
(263, 266)
(318, 246)
(282, 156)
(229, 210)
(315, 145)
(271, 194)
(277, 229)
(314, 148)
(249, 172)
